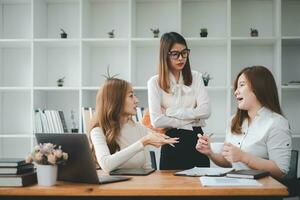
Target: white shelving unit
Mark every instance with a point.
(33, 56)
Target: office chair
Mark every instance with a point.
(153, 160)
(291, 180)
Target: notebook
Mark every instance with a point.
(204, 171)
(248, 173)
(80, 166)
(132, 171)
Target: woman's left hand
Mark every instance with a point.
(232, 153)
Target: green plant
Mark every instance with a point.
(203, 30)
(206, 78)
(108, 76)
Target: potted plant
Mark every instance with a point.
(47, 156)
(63, 34)
(206, 77)
(203, 32)
(253, 32)
(60, 81)
(155, 32)
(111, 34)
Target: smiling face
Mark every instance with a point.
(245, 97)
(178, 63)
(130, 103)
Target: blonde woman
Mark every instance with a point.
(117, 141)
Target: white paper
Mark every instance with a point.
(205, 171)
(228, 182)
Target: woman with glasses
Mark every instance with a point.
(179, 103)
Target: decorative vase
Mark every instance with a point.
(46, 175)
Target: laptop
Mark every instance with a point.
(132, 171)
(80, 166)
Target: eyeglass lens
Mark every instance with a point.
(175, 54)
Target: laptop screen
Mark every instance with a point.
(80, 166)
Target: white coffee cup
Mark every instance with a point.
(217, 147)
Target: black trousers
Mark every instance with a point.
(184, 155)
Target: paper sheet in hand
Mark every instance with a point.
(228, 182)
(204, 171)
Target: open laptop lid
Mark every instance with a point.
(80, 166)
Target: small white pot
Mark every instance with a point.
(46, 175)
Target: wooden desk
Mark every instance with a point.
(159, 184)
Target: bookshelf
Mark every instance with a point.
(33, 56)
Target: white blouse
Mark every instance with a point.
(186, 106)
(268, 137)
(132, 152)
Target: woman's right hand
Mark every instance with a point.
(203, 144)
(157, 139)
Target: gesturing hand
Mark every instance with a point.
(157, 139)
(203, 144)
(232, 153)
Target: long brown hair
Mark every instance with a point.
(263, 85)
(166, 43)
(110, 102)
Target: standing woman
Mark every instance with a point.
(179, 103)
(117, 141)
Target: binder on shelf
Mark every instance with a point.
(18, 180)
(63, 121)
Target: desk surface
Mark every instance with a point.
(160, 183)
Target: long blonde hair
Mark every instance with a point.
(110, 102)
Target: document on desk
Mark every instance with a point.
(205, 171)
(228, 182)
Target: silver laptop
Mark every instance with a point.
(80, 166)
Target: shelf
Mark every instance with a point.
(15, 109)
(103, 16)
(258, 14)
(290, 17)
(50, 16)
(143, 17)
(96, 58)
(204, 14)
(15, 17)
(253, 41)
(34, 56)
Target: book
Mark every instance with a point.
(204, 171)
(18, 180)
(12, 162)
(227, 182)
(17, 170)
(248, 173)
(63, 121)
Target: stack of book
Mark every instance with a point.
(50, 121)
(16, 172)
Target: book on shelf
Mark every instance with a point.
(18, 180)
(50, 121)
(248, 173)
(12, 162)
(29, 167)
(204, 171)
(87, 114)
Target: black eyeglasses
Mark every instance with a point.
(176, 54)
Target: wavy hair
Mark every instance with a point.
(263, 85)
(110, 103)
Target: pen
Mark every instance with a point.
(211, 134)
(172, 145)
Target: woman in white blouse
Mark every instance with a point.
(179, 103)
(117, 141)
(258, 136)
